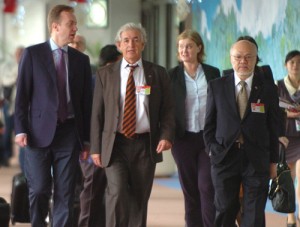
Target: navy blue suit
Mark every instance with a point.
(53, 149)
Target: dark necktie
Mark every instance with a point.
(61, 86)
(129, 118)
(242, 99)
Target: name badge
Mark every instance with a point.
(258, 107)
(297, 121)
(143, 90)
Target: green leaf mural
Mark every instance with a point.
(274, 26)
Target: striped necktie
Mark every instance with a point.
(129, 118)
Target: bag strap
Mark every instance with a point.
(267, 72)
(227, 72)
(281, 153)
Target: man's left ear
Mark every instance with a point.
(54, 26)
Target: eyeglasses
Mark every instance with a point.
(240, 57)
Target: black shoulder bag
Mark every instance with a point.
(282, 191)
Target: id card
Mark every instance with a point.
(297, 122)
(143, 90)
(258, 107)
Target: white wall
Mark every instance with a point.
(31, 30)
(34, 29)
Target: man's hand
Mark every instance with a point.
(85, 153)
(21, 140)
(273, 170)
(293, 114)
(163, 145)
(284, 140)
(97, 159)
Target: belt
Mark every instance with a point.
(136, 136)
(194, 133)
(238, 145)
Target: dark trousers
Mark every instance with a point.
(195, 178)
(92, 204)
(227, 177)
(56, 163)
(129, 182)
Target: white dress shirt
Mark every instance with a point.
(142, 101)
(195, 101)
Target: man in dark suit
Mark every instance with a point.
(242, 145)
(130, 160)
(53, 133)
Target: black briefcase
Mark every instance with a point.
(19, 200)
(4, 213)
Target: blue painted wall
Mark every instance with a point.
(275, 25)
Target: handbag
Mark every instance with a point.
(4, 213)
(282, 190)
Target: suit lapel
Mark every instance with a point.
(254, 94)
(181, 78)
(48, 61)
(230, 93)
(116, 81)
(207, 72)
(148, 73)
(72, 64)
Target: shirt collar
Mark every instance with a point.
(54, 46)
(289, 85)
(199, 73)
(248, 80)
(125, 63)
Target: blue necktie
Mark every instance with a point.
(61, 86)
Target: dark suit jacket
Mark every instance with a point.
(266, 72)
(106, 109)
(223, 124)
(37, 97)
(179, 93)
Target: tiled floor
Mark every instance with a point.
(166, 207)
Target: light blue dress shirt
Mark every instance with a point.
(195, 101)
(55, 53)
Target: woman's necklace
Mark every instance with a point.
(191, 72)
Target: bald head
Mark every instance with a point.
(243, 57)
(79, 43)
(18, 53)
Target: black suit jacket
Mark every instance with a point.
(223, 124)
(179, 93)
(37, 96)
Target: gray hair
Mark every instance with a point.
(132, 26)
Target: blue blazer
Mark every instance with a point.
(37, 96)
